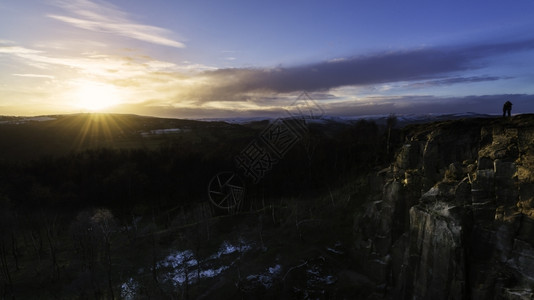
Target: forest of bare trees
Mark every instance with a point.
(79, 225)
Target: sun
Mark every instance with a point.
(96, 96)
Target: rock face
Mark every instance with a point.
(455, 218)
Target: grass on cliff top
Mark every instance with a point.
(517, 121)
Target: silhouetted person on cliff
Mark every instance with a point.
(507, 109)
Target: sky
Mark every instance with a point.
(228, 59)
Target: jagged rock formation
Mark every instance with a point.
(455, 216)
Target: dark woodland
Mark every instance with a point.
(88, 201)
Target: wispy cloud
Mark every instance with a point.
(15, 50)
(138, 77)
(104, 17)
(103, 65)
(35, 76)
(456, 80)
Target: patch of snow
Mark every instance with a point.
(184, 266)
(163, 131)
(227, 248)
(522, 294)
(315, 272)
(178, 259)
(329, 279)
(209, 273)
(40, 119)
(334, 250)
(129, 289)
(275, 270)
(316, 277)
(266, 279)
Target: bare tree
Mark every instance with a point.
(92, 231)
(391, 122)
(105, 224)
(5, 269)
(52, 233)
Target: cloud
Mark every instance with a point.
(433, 64)
(403, 105)
(15, 50)
(455, 80)
(154, 108)
(107, 67)
(484, 104)
(137, 77)
(35, 76)
(107, 18)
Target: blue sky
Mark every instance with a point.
(210, 59)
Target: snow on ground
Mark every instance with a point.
(266, 278)
(182, 266)
(228, 248)
(128, 289)
(163, 131)
(185, 267)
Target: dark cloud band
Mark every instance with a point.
(420, 64)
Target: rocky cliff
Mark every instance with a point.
(453, 216)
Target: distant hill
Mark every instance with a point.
(23, 138)
(402, 119)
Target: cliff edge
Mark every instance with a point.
(453, 216)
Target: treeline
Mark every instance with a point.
(178, 172)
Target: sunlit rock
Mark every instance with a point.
(456, 218)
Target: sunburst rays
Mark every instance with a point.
(95, 130)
